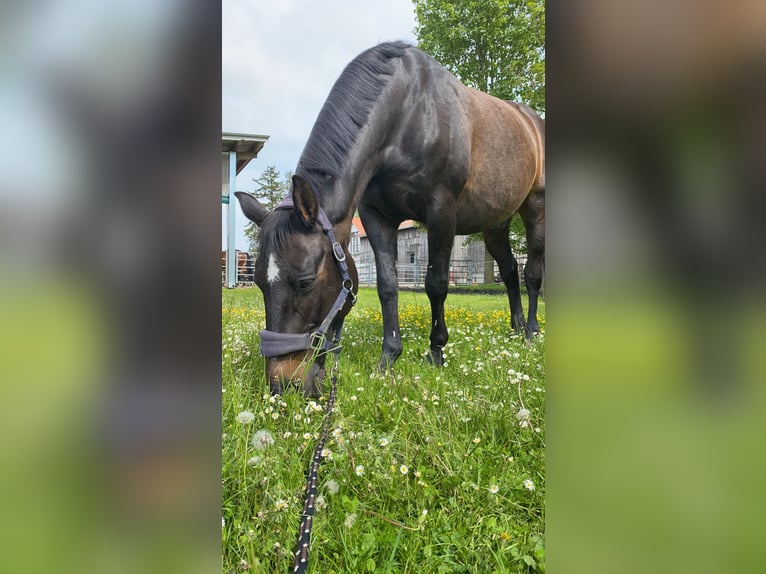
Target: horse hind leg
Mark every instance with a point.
(499, 246)
(532, 214)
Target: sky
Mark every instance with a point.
(280, 60)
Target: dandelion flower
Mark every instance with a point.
(359, 470)
(403, 469)
(245, 417)
(529, 485)
(494, 489)
(262, 440)
(332, 487)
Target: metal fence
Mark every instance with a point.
(461, 272)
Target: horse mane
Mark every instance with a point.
(346, 110)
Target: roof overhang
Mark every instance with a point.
(247, 146)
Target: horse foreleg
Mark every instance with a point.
(441, 235)
(533, 214)
(499, 246)
(382, 234)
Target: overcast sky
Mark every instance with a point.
(280, 60)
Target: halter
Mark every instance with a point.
(275, 344)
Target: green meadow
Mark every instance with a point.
(426, 469)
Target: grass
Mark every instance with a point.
(426, 469)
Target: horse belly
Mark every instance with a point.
(493, 198)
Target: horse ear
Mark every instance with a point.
(305, 200)
(251, 207)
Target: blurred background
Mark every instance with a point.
(656, 131)
(109, 297)
(110, 288)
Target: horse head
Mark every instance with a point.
(297, 269)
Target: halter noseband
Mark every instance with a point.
(275, 344)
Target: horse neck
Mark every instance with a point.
(364, 159)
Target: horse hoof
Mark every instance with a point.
(435, 357)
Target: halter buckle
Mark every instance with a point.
(337, 251)
(316, 340)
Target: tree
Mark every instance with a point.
(496, 46)
(269, 192)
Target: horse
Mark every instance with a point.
(244, 262)
(399, 137)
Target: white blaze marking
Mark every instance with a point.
(272, 271)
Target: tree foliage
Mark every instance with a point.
(496, 46)
(269, 191)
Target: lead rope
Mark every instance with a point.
(301, 562)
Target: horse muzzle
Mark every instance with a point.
(294, 372)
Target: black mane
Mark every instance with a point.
(346, 110)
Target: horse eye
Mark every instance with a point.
(306, 283)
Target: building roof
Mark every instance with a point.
(357, 222)
(247, 146)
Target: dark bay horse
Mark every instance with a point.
(399, 137)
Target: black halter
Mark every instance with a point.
(274, 344)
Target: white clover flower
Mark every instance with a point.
(253, 461)
(529, 485)
(523, 414)
(245, 417)
(262, 440)
(350, 519)
(359, 469)
(332, 487)
(320, 502)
